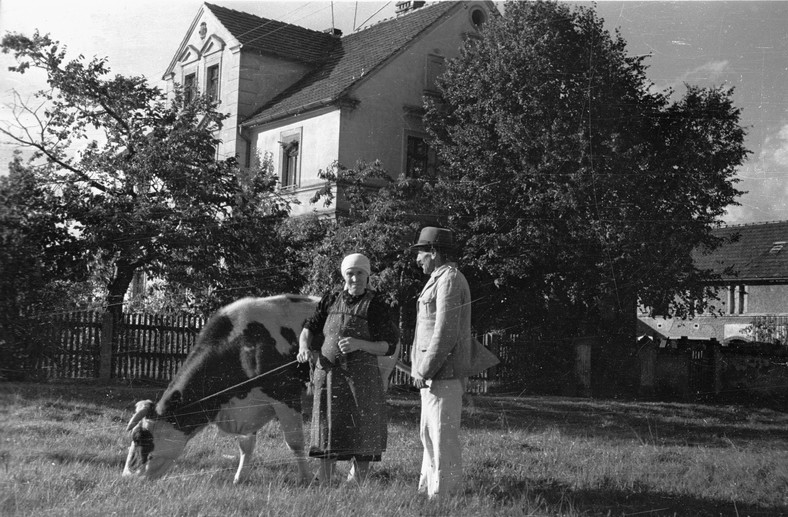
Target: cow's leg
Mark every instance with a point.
(291, 423)
(246, 446)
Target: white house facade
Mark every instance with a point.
(308, 99)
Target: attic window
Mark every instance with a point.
(777, 247)
(478, 17)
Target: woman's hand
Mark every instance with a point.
(303, 355)
(350, 344)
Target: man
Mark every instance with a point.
(441, 359)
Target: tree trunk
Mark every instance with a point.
(117, 288)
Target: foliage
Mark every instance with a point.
(376, 215)
(137, 183)
(575, 186)
(36, 251)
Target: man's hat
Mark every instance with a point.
(432, 237)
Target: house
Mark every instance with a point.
(753, 295)
(307, 99)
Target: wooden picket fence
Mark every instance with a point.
(67, 345)
(153, 347)
(149, 346)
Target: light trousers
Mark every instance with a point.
(441, 410)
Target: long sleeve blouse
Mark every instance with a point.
(379, 317)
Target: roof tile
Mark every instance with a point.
(357, 55)
(749, 254)
(275, 37)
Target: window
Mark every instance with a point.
(290, 163)
(478, 17)
(212, 83)
(420, 159)
(432, 70)
(189, 87)
(737, 299)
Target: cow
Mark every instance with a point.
(239, 375)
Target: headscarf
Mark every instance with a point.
(356, 260)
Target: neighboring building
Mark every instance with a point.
(307, 99)
(753, 296)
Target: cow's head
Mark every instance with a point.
(155, 444)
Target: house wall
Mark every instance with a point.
(376, 129)
(761, 301)
(319, 148)
(247, 80)
(767, 299)
(216, 46)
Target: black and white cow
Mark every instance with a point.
(238, 376)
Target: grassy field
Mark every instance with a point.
(62, 448)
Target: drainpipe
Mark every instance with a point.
(248, 157)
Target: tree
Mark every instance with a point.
(35, 253)
(379, 217)
(577, 186)
(135, 180)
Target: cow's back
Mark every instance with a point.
(249, 343)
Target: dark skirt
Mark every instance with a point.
(349, 414)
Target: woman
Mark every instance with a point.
(349, 413)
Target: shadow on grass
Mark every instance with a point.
(509, 490)
(663, 423)
(644, 422)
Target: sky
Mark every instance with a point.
(743, 45)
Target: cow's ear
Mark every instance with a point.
(142, 410)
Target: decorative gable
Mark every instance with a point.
(190, 54)
(213, 44)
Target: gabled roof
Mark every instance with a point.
(753, 255)
(275, 37)
(358, 55)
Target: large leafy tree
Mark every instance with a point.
(35, 254)
(377, 216)
(134, 179)
(576, 185)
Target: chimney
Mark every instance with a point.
(334, 32)
(406, 6)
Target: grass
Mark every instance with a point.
(62, 448)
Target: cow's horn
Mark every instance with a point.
(142, 410)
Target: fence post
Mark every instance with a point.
(583, 365)
(105, 353)
(491, 342)
(716, 350)
(648, 361)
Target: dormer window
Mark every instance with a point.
(478, 17)
(777, 247)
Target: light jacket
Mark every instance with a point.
(442, 341)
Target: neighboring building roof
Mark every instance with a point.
(356, 56)
(275, 37)
(759, 252)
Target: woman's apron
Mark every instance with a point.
(349, 413)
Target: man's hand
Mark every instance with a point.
(420, 383)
